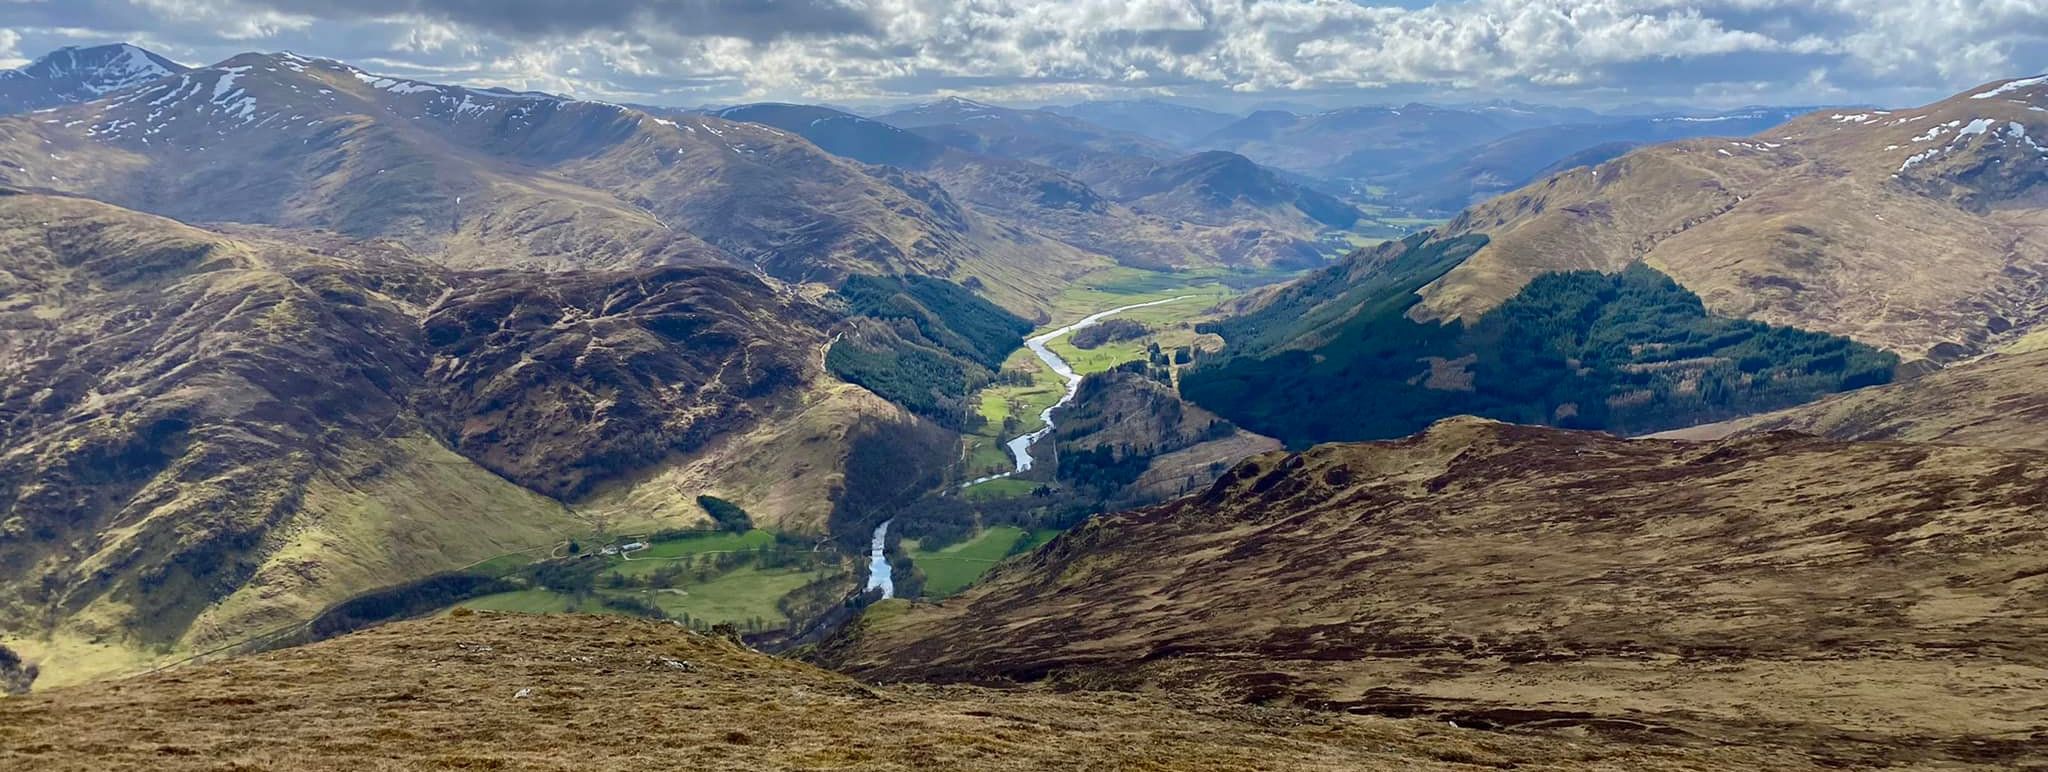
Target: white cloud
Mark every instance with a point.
(869, 49)
(10, 49)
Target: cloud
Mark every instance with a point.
(845, 50)
(10, 49)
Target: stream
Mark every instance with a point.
(1020, 447)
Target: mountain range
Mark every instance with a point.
(290, 351)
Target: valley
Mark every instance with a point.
(353, 419)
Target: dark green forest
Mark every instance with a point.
(923, 343)
(946, 315)
(1630, 353)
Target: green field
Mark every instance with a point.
(1165, 320)
(524, 602)
(709, 541)
(738, 595)
(735, 596)
(1005, 488)
(1112, 287)
(985, 452)
(951, 569)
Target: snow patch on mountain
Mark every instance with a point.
(2011, 86)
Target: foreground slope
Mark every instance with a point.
(1851, 602)
(583, 693)
(2000, 401)
(1917, 231)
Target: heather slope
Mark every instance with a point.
(1501, 575)
(602, 693)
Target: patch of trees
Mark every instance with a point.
(400, 602)
(923, 380)
(927, 345)
(891, 466)
(1103, 467)
(944, 314)
(1108, 331)
(728, 515)
(1630, 353)
(15, 675)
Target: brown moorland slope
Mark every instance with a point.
(1999, 401)
(1919, 231)
(205, 436)
(1852, 603)
(492, 691)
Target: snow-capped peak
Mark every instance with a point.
(98, 70)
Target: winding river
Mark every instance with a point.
(1020, 447)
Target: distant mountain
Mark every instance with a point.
(1217, 187)
(1468, 175)
(1174, 124)
(1361, 142)
(1188, 211)
(1092, 154)
(73, 74)
(1634, 593)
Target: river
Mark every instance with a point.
(1020, 448)
(879, 573)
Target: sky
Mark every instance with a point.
(1223, 54)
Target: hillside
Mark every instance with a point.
(492, 178)
(601, 693)
(1127, 439)
(1910, 230)
(207, 436)
(2000, 401)
(1216, 188)
(1630, 352)
(73, 74)
(1021, 194)
(1748, 593)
